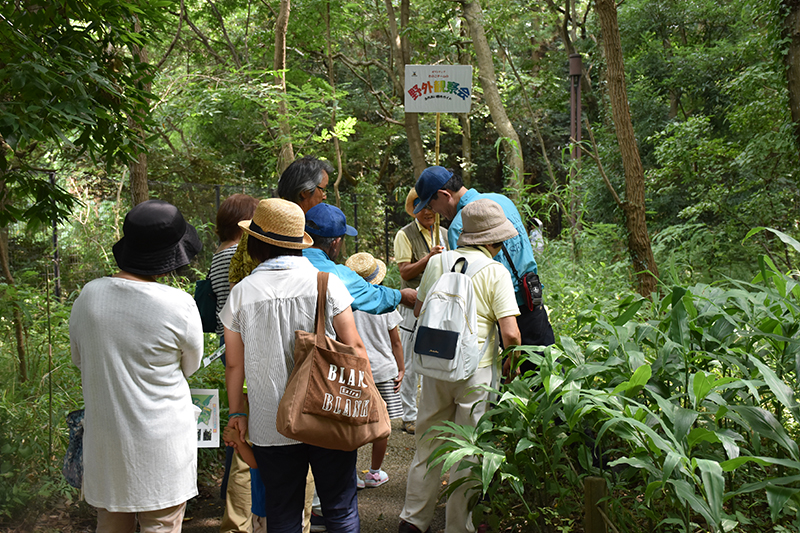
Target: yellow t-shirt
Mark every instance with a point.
(494, 294)
(402, 246)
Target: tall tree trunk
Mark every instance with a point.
(19, 333)
(791, 31)
(401, 56)
(473, 14)
(644, 263)
(138, 167)
(332, 81)
(286, 155)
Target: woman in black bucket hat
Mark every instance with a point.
(135, 342)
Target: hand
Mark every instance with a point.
(399, 380)
(231, 437)
(408, 297)
(238, 424)
(436, 250)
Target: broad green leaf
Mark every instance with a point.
(670, 462)
(714, 485)
(779, 388)
(702, 384)
(732, 464)
(764, 423)
(701, 435)
(637, 462)
(658, 444)
(523, 445)
(777, 498)
(728, 438)
(678, 327)
(686, 494)
(762, 485)
(491, 462)
(782, 236)
(639, 379)
(650, 490)
(572, 350)
(629, 313)
(684, 419)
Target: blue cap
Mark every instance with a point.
(431, 180)
(325, 220)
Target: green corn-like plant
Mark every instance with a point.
(687, 405)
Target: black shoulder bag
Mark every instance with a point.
(529, 282)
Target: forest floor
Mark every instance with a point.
(379, 507)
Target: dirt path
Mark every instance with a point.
(379, 508)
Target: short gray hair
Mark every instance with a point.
(323, 243)
(305, 174)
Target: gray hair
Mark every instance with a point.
(305, 174)
(323, 243)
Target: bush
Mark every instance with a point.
(686, 405)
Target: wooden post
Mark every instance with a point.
(438, 130)
(594, 491)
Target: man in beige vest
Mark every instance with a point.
(413, 247)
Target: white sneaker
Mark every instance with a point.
(375, 480)
(360, 483)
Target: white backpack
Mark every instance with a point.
(446, 336)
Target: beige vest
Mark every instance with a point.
(419, 249)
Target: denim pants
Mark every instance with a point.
(284, 470)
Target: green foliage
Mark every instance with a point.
(68, 76)
(687, 406)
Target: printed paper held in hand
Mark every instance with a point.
(207, 400)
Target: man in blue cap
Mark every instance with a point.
(328, 226)
(444, 192)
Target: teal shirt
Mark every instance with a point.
(373, 299)
(519, 247)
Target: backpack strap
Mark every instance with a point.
(478, 264)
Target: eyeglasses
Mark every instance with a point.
(324, 193)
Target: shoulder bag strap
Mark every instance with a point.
(510, 261)
(322, 294)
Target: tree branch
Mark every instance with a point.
(175, 40)
(225, 34)
(204, 40)
(596, 157)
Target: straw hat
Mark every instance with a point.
(484, 222)
(157, 239)
(410, 199)
(278, 222)
(368, 267)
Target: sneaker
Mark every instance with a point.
(408, 527)
(409, 427)
(375, 480)
(360, 483)
(317, 523)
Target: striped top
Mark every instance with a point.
(219, 279)
(266, 308)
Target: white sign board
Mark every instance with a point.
(438, 88)
(207, 400)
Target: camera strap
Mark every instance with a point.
(510, 261)
(531, 299)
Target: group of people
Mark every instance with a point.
(136, 341)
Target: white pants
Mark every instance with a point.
(440, 401)
(410, 383)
